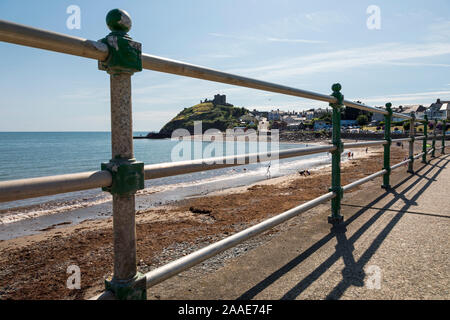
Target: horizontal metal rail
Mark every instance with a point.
(430, 137)
(160, 170)
(418, 155)
(402, 139)
(48, 40)
(160, 64)
(359, 182)
(364, 144)
(165, 65)
(45, 186)
(398, 165)
(374, 175)
(28, 36)
(162, 273)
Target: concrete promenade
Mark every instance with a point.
(394, 244)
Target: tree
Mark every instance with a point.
(362, 119)
(326, 117)
(350, 113)
(406, 125)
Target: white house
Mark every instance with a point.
(445, 110)
(434, 111)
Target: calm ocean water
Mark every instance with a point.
(35, 154)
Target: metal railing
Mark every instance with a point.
(120, 56)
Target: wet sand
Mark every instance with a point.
(34, 267)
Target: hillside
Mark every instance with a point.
(212, 115)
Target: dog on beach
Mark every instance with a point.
(304, 173)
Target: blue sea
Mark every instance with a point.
(36, 154)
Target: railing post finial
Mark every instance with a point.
(125, 55)
(118, 20)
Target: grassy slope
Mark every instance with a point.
(212, 116)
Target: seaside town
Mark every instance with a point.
(353, 120)
(304, 125)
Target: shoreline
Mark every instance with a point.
(285, 137)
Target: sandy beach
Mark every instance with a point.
(34, 267)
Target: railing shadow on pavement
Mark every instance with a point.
(399, 210)
(353, 273)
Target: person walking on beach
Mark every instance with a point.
(367, 149)
(268, 171)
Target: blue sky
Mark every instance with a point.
(304, 44)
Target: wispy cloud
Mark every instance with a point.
(219, 56)
(266, 39)
(294, 40)
(419, 64)
(306, 23)
(94, 94)
(230, 36)
(385, 53)
(319, 19)
(439, 30)
(411, 98)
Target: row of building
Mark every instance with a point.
(293, 116)
(438, 110)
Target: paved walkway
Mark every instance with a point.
(393, 245)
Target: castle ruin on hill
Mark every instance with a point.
(219, 99)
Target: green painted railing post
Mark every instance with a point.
(425, 142)
(123, 60)
(444, 127)
(411, 143)
(387, 146)
(434, 141)
(336, 187)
